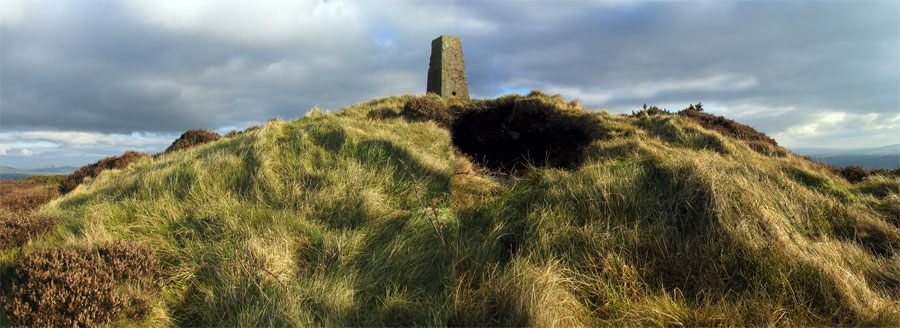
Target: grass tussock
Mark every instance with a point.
(354, 219)
(92, 170)
(193, 138)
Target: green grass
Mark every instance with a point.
(663, 223)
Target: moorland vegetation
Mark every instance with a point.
(515, 211)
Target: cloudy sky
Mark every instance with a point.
(85, 79)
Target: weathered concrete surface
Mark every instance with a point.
(446, 70)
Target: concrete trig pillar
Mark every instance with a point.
(446, 70)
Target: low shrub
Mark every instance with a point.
(62, 287)
(192, 138)
(78, 287)
(723, 125)
(17, 228)
(856, 174)
(651, 111)
(129, 261)
(427, 108)
(92, 170)
(853, 174)
(382, 113)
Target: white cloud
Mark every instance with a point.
(80, 139)
(168, 66)
(11, 12)
(586, 96)
(842, 129)
(745, 109)
(834, 122)
(35, 148)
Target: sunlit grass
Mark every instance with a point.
(663, 223)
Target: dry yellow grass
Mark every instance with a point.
(663, 223)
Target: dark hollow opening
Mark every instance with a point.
(454, 93)
(513, 135)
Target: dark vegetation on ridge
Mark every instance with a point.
(719, 124)
(853, 174)
(418, 210)
(189, 139)
(723, 125)
(856, 174)
(92, 170)
(192, 138)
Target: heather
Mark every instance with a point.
(375, 215)
(92, 170)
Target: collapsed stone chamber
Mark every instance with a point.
(510, 136)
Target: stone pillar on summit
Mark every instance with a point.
(446, 70)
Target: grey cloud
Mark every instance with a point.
(820, 54)
(114, 67)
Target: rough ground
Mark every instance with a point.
(354, 219)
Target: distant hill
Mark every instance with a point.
(886, 157)
(53, 169)
(11, 173)
(7, 169)
(14, 176)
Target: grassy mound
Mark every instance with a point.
(355, 219)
